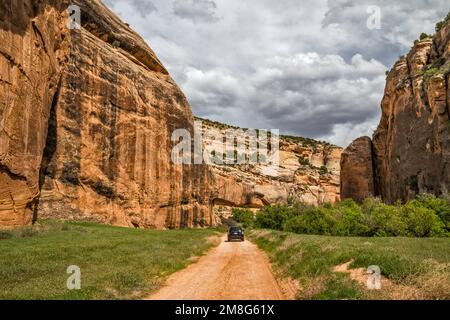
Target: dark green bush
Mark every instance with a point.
(441, 206)
(349, 220)
(422, 222)
(323, 170)
(28, 232)
(423, 36)
(310, 221)
(383, 220)
(243, 216)
(304, 161)
(273, 217)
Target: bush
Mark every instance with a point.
(273, 217)
(349, 220)
(384, 220)
(441, 206)
(441, 24)
(311, 221)
(323, 170)
(303, 161)
(422, 222)
(243, 216)
(427, 216)
(28, 232)
(424, 36)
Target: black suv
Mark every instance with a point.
(235, 233)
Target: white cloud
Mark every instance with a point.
(196, 10)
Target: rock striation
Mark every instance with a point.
(308, 171)
(411, 146)
(34, 49)
(86, 117)
(357, 173)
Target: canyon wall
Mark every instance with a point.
(34, 49)
(357, 174)
(411, 146)
(86, 117)
(308, 171)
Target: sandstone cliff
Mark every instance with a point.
(86, 117)
(357, 173)
(411, 147)
(308, 171)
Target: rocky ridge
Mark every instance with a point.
(308, 171)
(411, 146)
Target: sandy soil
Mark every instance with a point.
(231, 271)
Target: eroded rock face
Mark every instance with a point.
(34, 47)
(357, 171)
(109, 107)
(308, 171)
(411, 146)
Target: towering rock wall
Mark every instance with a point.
(411, 147)
(34, 48)
(357, 172)
(86, 119)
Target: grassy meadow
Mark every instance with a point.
(413, 268)
(116, 263)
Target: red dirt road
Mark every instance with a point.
(231, 271)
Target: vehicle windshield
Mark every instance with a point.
(235, 229)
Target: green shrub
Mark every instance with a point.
(323, 170)
(243, 216)
(422, 222)
(28, 232)
(441, 24)
(273, 217)
(383, 220)
(349, 220)
(424, 36)
(304, 161)
(427, 216)
(311, 221)
(441, 206)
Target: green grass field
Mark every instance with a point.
(116, 263)
(416, 268)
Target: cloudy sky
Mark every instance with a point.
(312, 67)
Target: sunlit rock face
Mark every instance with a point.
(34, 50)
(411, 147)
(307, 171)
(86, 119)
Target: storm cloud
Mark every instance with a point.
(312, 68)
